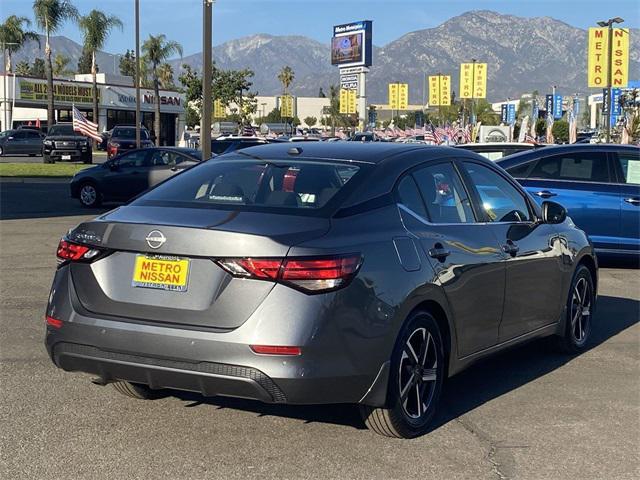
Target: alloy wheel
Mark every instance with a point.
(417, 373)
(581, 311)
(88, 195)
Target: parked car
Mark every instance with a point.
(123, 138)
(497, 150)
(230, 144)
(325, 273)
(63, 143)
(125, 176)
(21, 142)
(598, 184)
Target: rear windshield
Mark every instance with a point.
(275, 186)
(129, 133)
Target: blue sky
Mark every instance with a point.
(181, 20)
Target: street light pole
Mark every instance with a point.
(207, 65)
(472, 116)
(138, 119)
(607, 101)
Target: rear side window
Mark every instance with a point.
(409, 196)
(523, 170)
(245, 185)
(218, 147)
(133, 159)
(630, 165)
(579, 166)
(444, 194)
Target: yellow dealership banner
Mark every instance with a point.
(439, 90)
(597, 56)
(218, 109)
(398, 96)
(347, 101)
(286, 106)
(473, 80)
(598, 52)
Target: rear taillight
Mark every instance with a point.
(69, 251)
(276, 350)
(53, 322)
(312, 275)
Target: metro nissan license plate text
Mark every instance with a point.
(163, 272)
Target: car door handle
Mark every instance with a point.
(439, 252)
(633, 200)
(545, 194)
(510, 248)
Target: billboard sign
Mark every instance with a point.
(62, 92)
(557, 107)
(351, 44)
(349, 81)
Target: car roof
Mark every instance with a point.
(497, 144)
(519, 157)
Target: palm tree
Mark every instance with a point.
(13, 36)
(157, 50)
(95, 28)
(23, 69)
(50, 15)
(60, 63)
(165, 74)
(286, 77)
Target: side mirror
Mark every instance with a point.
(553, 213)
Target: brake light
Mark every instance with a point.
(276, 350)
(69, 251)
(313, 275)
(53, 322)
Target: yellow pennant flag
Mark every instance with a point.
(597, 57)
(620, 58)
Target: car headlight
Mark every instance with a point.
(48, 143)
(115, 144)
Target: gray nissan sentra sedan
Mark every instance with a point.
(322, 273)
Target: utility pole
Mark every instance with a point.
(472, 116)
(138, 119)
(207, 65)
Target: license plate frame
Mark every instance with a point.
(139, 281)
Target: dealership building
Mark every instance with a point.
(24, 102)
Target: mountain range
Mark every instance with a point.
(523, 54)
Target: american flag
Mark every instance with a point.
(84, 126)
(248, 131)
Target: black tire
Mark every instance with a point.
(405, 415)
(579, 313)
(136, 390)
(47, 159)
(89, 195)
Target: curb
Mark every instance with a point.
(35, 179)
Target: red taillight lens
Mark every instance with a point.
(276, 350)
(53, 322)
(69, 251)
(316, 274)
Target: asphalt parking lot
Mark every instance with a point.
(529, 413)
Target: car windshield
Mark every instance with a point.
(129, 133)
(259, 185)
(62, 130)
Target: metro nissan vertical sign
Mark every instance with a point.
(598, 53)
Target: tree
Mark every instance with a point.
(127, 64)
(23, 69)
(560, 131)
(157, 50)
(84, 62)
(50, 15)
(13, 36)
(541, 127)
(95, 28)
(310, 121)
(286, 77)
(165, 72)
(38, 69)
(485, 114)
(60, 63)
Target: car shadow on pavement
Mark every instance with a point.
(480, 383)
